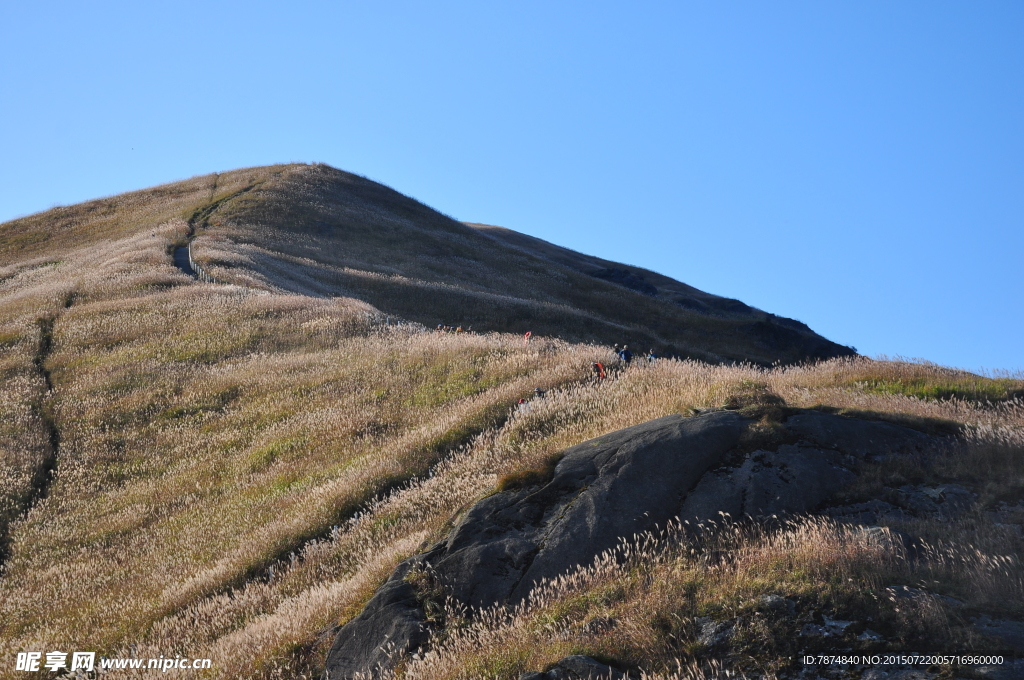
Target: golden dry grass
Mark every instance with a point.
(239, 466)
(187, 535)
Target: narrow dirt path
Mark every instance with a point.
(181, 261)
(42, 408)
(200, 218)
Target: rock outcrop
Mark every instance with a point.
(624, 483)
(607, 489)
(391, 624)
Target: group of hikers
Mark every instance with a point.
(441, 328)
(624, 355)
(537, 394)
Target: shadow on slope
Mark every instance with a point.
(320, 231)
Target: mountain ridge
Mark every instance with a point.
(316, 230)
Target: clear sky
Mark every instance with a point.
(855, 165)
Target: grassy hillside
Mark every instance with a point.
(318, 231)
(635, 278)
(229, 470)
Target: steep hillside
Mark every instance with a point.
(314, 230)
(743, 538)
(636, 278)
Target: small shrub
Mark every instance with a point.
(756, 400)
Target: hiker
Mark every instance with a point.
(459, 329)
(598, 370)
(526, 338)
(538, 392)
(440, 328)
(625, 355)
(651, 357)
(616, 353)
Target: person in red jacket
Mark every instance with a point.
(599, 370)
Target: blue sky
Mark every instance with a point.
(858, 166)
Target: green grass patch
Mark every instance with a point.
(442, 384)
(975, 389)
(207, 347)
(463, 433)
(23, 240)
(10, 338)
(265, 456)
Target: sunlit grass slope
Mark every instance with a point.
(205, 436)
(202, 433)
(49, 234)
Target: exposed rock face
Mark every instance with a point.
(391, 624)
(615, 486)
(624, 483)
(792, 479)
(1009, 633)
(798, 478)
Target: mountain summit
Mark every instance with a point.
(315, 230)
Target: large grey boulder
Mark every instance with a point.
(792, 479)
(1009, 633)
(609, 489)
(799, 478)
(625, 483)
